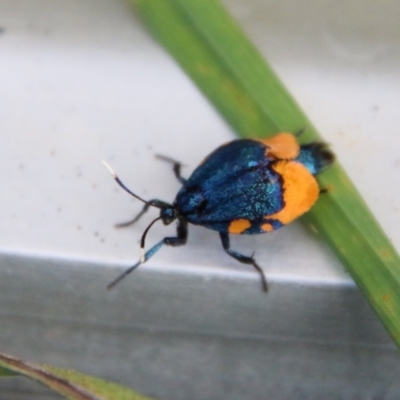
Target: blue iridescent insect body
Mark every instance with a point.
(246, 186)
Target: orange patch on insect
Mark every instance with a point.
(267, 227)
(283, 146)
(300, 190)
(238, 226)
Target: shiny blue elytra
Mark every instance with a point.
(247, 186)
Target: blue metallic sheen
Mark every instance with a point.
(237, 181)
(316, 157)
(234, 182)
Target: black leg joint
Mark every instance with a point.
(181, 235)
(243, 259)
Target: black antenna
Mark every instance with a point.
(120, 183)
(142, 240)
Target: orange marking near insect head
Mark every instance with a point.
(300, 190)
(238, 226)
(267, 227)
(283, 146)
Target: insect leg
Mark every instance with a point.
(325, 190)
(155, 203)
(181, 235)
(178, 240)
(300, 131)
(147, 255)
(176, 167)
(243, 259)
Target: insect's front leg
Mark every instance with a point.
(178, 240)
(176, 167)
(154, 202)
(243, 259)
(181, 235)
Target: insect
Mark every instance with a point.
(247, 186)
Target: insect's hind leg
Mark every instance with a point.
(243, 259)
(176, 165)
(154, 202)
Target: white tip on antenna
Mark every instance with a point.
(109, 168)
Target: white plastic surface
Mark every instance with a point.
(84, 81)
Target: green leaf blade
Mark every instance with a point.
(171, 27)
(212, 49)
(71, 384)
